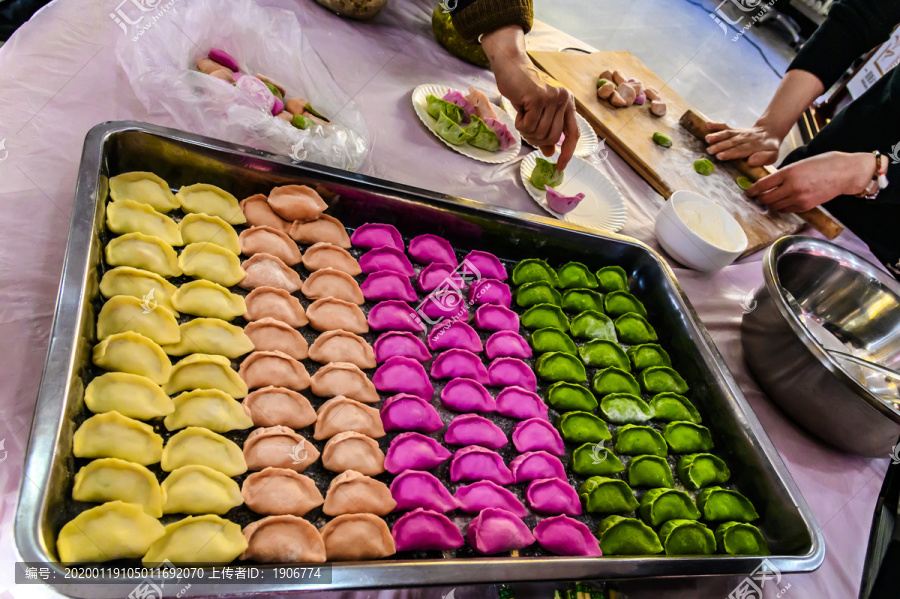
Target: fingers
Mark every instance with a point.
(716, 126)
(542, 133)
(762, 158)
(570, 128)
(549, 151)
(528, 119)
(766, 184)
(713, 138)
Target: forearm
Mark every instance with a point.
(505, 45)
(795, 94)
(480, 17)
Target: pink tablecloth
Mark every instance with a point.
(58, 78)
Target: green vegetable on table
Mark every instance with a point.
(744, 183)
(704, 167)
(545, 174)
(662, 139)
(566, 397)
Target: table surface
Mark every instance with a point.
(59, 78)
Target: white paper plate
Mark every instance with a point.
(603, 207)
(587, 138)
(419, 105)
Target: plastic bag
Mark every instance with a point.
(159, 55)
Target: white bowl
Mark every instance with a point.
(686, 246)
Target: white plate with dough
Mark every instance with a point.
(603, 206)
(419, 105)
(587, 138)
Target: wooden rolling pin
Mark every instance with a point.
(817, 218)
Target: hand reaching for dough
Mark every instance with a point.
(758, 144)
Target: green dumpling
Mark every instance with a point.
(537, 292)
(591, 324)
(662, 505)
(600, 353)
(567, 397)
(687, 537)
(607, 496)
(718, 504)
(625, 408)
(580, 300)
(592, 459)
(634, 329)
(450, 131)
(576, 274)
(669, 407)
(740, 538)
(549, 339)
(647, 355)
(698, 470)
(560, 366)
(612, 278)
(582, 427)
(659, 379)
(435, 107)
(534, 269)
(543, 316)
(633, 439)
(614, 380)
(617, 303)
(482, 136)
(545, 174)
(650, 471)
(627, 536)
(687, 437)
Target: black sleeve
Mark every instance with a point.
(472, 18)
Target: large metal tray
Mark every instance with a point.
(182, 158)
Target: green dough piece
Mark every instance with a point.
(315, 112)
(698, 470)
(740, 538)
(537, 292)
(591, 459)
(687, 537)
(576, 275)
(549, 339)
(744, 183)
(601, 82)
(718, 504)
(603, 495)
(591, 324)
(275, 91)
(545, 174)
(482, 136)
(670, 407)
(633, 439)
(534, 269)
(600, 353)
(545, 315)
(449, 38)
(704, 167)
(650, 471)
(582, 427)
(436, 107)
(627, 536)
(662, 139)
(301, 122)
(614, 380)
(647, 355)
(624, 408)
(659, 379)
(617, 303)
(560, 366)
(634, 329)
(612, 278)
(687, 437)
(580, 300)
(450, 131)
(567, 397)
(661, 505)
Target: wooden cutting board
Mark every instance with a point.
(628, 132)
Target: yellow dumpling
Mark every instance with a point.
(151, 288)
(199, 371)
(128, 216)
(212, 263)
(211, 200)
(202, 447)
(203, 228)
(200, 490)
(111, 479)
(112, 435)
(145, 252)
(114, 530)
(209, 408)
(125, 313)
(146, 188)
(206, 539)
(210, 336)
(134, 353)
(128, 394)
(205, 298)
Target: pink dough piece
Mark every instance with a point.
(536, 434)
(537, 464)
(394, 315)
(495, 531)
(425, 530)
(472, 429)
(521, 404)
(454, 335)
(414, 451)
(405, 412)
(566, 536)
(386, 258)
(429, 249)
(388, 285)
(511, 372)
(490, 291)
(403, 375)
(455, 363)
(475, 463)
(482, 264)
(506, 344)
(420, 489)
(466, 395)
(376, 235)
(553, 496)
(496, 318)
(400, 343)
(484, 494)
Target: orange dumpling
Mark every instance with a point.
(270, 406)
(330, 282)
(273, 368)
(353, 493)
(278, 447)
(297, 202)
(259, 214)
(324, 255)
(268, 334)
(357, 537)
(266, 270)
(352, 451)
(342, 378)
(277, 491)
(268, 240)
(271, 302)
(283, 539)
(341, 346)
(340, 414)
(329, 313)
(325, 229)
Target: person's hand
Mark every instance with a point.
(813, 181)
(758, 144)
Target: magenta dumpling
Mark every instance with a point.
(400, 343)
(428, 249)
(386, 258)
(466, 395)
(388, 285)
(483, 265)
(495, 531)
(454, 335)
(553, 496)
(561, 203)
(225, 59)
(566, 536)
(451, 305)
(455, 363)
(377, 235)
(434, 275)
(506, 344)
(521, 404)
(414, 489)
(472, 429)
(477, 463)
(537, 464)
(403, 375)
(511, 372)
(455, 97)
(490, 291)
(405, 412)
(426, 530)
(484, 494)
(496, 318)
(414, 451)
(394, 315)
(535, 434)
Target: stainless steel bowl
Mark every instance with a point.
(846, 303)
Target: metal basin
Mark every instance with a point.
(846, 303)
